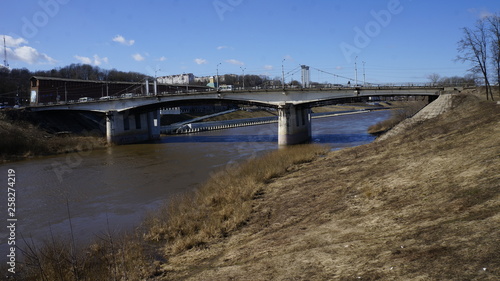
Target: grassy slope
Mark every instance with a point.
(20, 140)
(423, 205)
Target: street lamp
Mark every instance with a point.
(217, 77)
(364, 76)
(283, 73)
(155, 82)
(243, 69)
(356, 71)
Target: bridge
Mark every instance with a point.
(136, 119)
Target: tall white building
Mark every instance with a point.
(179, 79)
(306, 78)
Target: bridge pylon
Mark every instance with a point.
(294, 124)
(126, 127)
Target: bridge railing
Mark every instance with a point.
(320, 87)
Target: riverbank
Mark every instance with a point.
(398, 115)
(420, 205)
(415, 206)
(22, 140)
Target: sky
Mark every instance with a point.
(386, 41)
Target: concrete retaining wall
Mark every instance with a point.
(217, 125)
(442, 104)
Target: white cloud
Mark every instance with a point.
(222, 48)
(120, 39)
(481, 13)
(200, 61)
(484, 14)
(84, 60)
(12, 42)
(289, 58)
(339, 67)
(138, 57)
(162, 59)
(235, 62)
(95, 60)
(31, 55)
(268, 67)
(17, 52)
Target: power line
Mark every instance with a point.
(333, 74)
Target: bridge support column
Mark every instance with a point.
(126, 127)
(294, 124)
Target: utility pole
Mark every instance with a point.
(5, 63)
(155, 82)
(283, 73)
(364, 76)
(356, 71)
(217, 77)
(243, 69)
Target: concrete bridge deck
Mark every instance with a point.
(136, 119)
(270, 97)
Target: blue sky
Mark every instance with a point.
(399, 40)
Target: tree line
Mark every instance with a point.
(480, 46)
(467, 80)
(15, 83)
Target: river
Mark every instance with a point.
(114, 188)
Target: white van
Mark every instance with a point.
(127, 95)
(85, 99)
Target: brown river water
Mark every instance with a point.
(114, 188)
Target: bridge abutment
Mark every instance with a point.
(294, 124)
(125, 127)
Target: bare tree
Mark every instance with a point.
(474, 49)
(494, 28)
(434, 78)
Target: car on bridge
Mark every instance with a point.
(85, 99)
(127, 95)
(105, 98)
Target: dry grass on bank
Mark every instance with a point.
(108, 258)
(20, 140)
(423, 205)
(193, 220)
(408, 110)
(224, 203)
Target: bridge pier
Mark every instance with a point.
(294, 124)
(125, 127)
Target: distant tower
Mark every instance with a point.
(306, 79)
(5, 63)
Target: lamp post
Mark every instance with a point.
(217, 77)
(364, 76)
(243, 69)
(155, 82)
(283, 73)
(356, 71)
